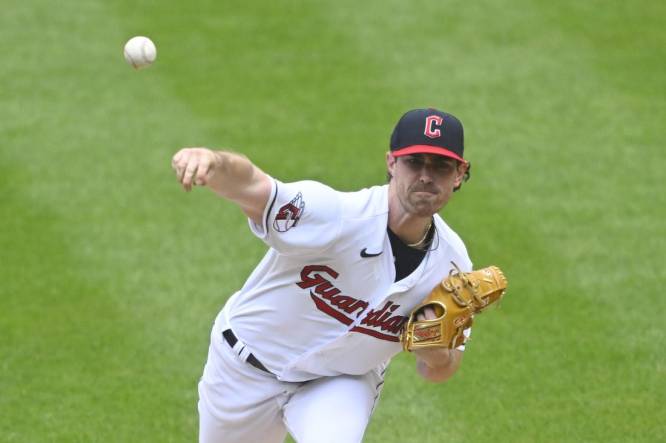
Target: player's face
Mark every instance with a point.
(424, 182)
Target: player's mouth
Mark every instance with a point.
(423, 187)
(425, 192)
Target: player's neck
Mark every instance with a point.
(409, 228)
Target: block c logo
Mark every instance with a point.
(431, 121)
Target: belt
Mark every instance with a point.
(230, 338)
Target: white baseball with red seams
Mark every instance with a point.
(140, 52)
(322, 302)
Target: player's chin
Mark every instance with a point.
(426, 204)
(423, 209)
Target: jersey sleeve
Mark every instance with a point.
(465, 264)
(467, 333)
(300, 217)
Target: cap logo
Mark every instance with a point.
(430, 123)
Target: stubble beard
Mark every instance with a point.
(421, 206)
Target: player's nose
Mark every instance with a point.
(426, 175)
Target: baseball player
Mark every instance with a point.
(303, 346)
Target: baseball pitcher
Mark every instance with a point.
(349, 280)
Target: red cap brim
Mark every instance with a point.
(427, 149)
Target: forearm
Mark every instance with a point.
(230, 175)
(234, 177)
(438, 365)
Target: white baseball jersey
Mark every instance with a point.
(323, 301)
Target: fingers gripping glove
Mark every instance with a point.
(455, 301)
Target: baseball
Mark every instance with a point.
(140, 52)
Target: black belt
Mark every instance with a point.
(230, 338)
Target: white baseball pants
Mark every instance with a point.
(242, 404)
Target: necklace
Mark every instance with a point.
(425, 235)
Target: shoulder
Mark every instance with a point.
(308, 195)
(367, 201)
(364, 203)
(302, 216)
(311, 186)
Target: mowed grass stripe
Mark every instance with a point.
(88, 313)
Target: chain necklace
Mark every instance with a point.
(425, 235)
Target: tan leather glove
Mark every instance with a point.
(455, 301)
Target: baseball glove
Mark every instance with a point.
(455, 301)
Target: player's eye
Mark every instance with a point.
(444, 166)
(414, 162)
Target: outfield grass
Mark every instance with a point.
(112, 275)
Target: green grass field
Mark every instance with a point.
(111, 275)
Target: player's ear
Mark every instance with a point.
(461, 170)
(390, 162)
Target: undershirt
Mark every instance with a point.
(407, 259)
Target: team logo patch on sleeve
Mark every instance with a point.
(289, 214)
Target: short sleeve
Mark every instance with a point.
(467, 333)
(300, 217)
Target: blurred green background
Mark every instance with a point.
(111, 275)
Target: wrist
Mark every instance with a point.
(435, 358)
(438, 365)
